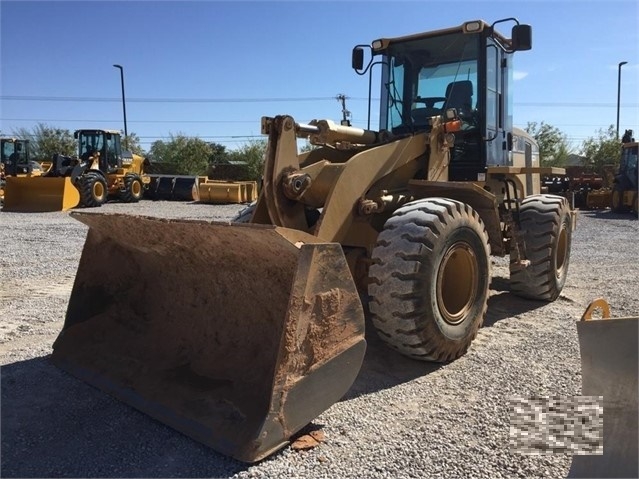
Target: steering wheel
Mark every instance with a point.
(429, 101)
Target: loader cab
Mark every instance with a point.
(15, 156)
(105, 142)
(628, 172)
(468, 68)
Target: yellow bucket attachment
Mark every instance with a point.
(597, 199)
(609, 363)
(39, 194)
(236, 335)
(215, 191)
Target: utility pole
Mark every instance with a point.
(619, 94)
(345, 113)
(126, 134)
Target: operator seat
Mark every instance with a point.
(459, 95)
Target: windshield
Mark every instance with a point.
(424, 77)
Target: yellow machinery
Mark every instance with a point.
(624, 189)
(15, 162)
(100, 172)
(609, 369)
(219, 191)
(239, 334)
(622, 195)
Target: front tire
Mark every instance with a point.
(546, 229)
(429, 279)
(93, 190)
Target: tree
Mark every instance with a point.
(602, 150)
(253, 154)
(132, 143)
(554, 148)
(218, 153)
(184, 155)
(46, 141)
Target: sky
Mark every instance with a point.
(212, 69)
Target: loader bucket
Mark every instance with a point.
(236, 335)
(40, 194)
(609, 359)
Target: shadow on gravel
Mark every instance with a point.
(384, 368)
(502, 304)
(607, 215)
(56, 426)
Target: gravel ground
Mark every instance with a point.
(401, 418)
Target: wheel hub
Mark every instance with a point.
(457, 283)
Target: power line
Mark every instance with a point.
(130, 121)
(161, 100)
(275, 100)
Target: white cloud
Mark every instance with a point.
(517, 75)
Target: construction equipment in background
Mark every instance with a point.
(614, 189)
(609, 369)
(226, 183)
(239, 334)
(221, 191)
(624, 188)
(102, 171)
(168, 187)
(15, 161)
(581, 187)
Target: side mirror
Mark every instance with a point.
(521, 37)
(75, 135)
(357, 60)
(109, 136)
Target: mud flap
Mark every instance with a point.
(40, 194)
(236, 335)
(609, 363)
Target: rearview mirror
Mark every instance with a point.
(357, 60)
(521, 37)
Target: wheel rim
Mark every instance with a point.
(562, 251)
(136, 188)
(457, 283)
(98, 190)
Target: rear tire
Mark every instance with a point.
(133, 189)
(617, 200)
(429, 279)
(545, 224)
(93, 190)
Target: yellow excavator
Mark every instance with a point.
(100, 172)
(239, 334)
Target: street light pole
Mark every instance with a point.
(126, 146)
(619, 94)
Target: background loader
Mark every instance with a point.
(624, 188)
(101, 171)
(15, 161)
(239, 334)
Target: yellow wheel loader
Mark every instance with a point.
(100, 172)
(15, 162)
(239, 334)
(623, 197)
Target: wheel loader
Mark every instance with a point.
(624, 189)
(15, 161)
(239, 334)
(100, 172)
